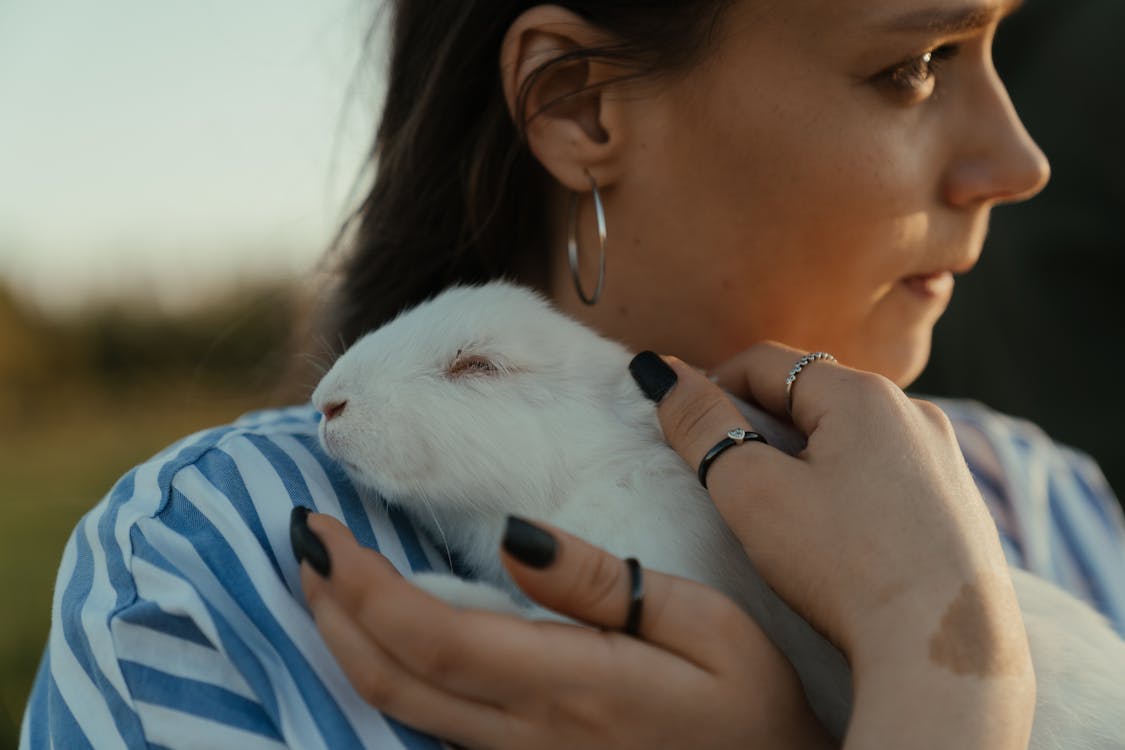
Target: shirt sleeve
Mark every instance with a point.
(1058, 517)
(178, 620)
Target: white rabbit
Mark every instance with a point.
(485, 402)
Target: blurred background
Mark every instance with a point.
(172, 172)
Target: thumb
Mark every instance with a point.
(584, 582)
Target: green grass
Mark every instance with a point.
(54, 468)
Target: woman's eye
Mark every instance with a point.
(915, 78)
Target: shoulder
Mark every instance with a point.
(178, 604)
(1019, 455)
(237, 484)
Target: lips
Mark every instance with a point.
(930, 285)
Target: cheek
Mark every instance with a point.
(388, 446)
(811, 219)
(823, 184)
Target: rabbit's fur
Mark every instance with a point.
(485, 402)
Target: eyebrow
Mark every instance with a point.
(951, 21)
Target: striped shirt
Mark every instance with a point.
(178, 620)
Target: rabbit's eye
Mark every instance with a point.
(471, 364)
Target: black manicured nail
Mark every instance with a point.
(528, 543)
(653, 375)
(306, 544)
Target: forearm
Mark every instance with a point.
(941, 711)
(959, 682)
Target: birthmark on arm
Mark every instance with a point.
(972, 639)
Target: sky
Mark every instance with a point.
(168, 146)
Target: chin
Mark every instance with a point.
(910, 362)
(902, 360)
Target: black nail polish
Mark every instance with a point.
(528, 543)
(306, 544)
(653, 375)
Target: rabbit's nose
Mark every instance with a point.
(333, 409)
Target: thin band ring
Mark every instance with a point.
(802, 363)
(737, 436)
(636, 598)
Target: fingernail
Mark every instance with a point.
(528, 543)
(306, 544)
(653, 375)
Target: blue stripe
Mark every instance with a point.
(1012, 552)
(118, 574)
(1093, 498)
(65, 731)
(149, 615)
(73, 599)
(1075, 546)
(986, 483)
(256, 675)
(197, 698)
(286, 469)
(186, 457)
(407, 534)
(223, 472)
(182, 517)
(241, 656)
(49, 717)
(64, 728)
(351, 504)
(37, 718)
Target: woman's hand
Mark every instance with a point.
(875, 533)
(701, 674)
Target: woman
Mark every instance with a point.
(812, 172)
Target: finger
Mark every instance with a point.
(759, 374)
(423, 633)
(696, 414)
(478, 655)
(577, 579)
(382, 682)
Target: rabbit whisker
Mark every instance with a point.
(441, 531)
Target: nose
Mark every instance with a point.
(999, 161)
(333, 409)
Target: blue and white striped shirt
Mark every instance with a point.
(178, 621)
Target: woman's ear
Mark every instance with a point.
(572, 127)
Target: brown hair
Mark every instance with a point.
(457, 196)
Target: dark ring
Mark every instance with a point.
(722, 445)
(636, 598)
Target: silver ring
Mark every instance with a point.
(572, 243)
(802, 363)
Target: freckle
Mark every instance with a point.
(623, 311)
(965, 644)
(728, 284)
(890, 593)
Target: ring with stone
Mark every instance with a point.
(737, 436)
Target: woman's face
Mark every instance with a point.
(819, 179)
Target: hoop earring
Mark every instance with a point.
(572, 243)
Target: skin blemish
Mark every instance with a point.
(967, 641)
